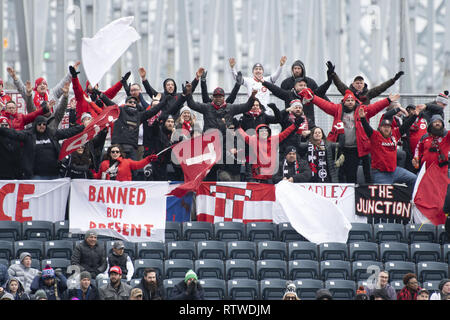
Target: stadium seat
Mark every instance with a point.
(446, 253)
(169, 284)
(442, 236)
(135, 282)
(360, 232)
(56, 263)
(432, 271)
(58, 249)
(212, 250)
(397, 269)
(10, 230)
(177, 268)
(421, 252)
(341, 289)
(243, 289)
(431, 286)
(420, 233)
(287, 233)
(389, 232)
(240, 268)
(272, 289)
(4, 262)
(197, 230)
(151, 250)
(101, 282)
(181, 250)
(241, 250)
(210, 268)
(229, 231)
(6, 250)
(362, 270)
(335, 269)
(35, 263)
(141, 264)
(271, 269)
(130, 248)
(34, 247)
(394, 251)
(363, 251)
(214, 289)
(397, 285)
(303, 269)
(261, 231)
(307, 288)
(37, 230)
(333, 251)
(173, 231)
(272, 250)
(303, 250)
(61, 231)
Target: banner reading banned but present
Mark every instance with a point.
(132, 211)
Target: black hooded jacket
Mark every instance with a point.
(147, 294)
(288, 83)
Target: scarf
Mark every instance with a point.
(187, 126)
(38, 99)
(317, 161)
(435, 148)
(255, 114)
(112, 171)
(218, 107)
(286, 171)
(303, 127)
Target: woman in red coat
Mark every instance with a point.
(115, 167)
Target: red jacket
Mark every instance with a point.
(82, 105)
(20, 120)
(124, 168)
(423, 151)
(266, 160)
(336, 110)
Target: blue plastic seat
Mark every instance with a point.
(10, 230)
(303, 250)
(197, 230)
(360, 232)
(335, 269)
(420, 233)
(363, 251)
(397, 269)
(272, 250)
(394, 251)
(177, 268)
(210, 268)
(307, 288)
(141, 264)
(61, 231)
(432, 271)
(303, 269)
(272, 289)
(240, 269)
(333, 251)
(241, 250)
(261, 231)
(341, 289)
(151, 250)
(181, 250)
(37, 230)
(212, 250)
(169, 284)
(271, 269)
(58, 249)
(421, 252)
(229, 231)
(362, 270)
(214, 289)
(243, 289)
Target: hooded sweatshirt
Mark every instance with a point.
(20, 294)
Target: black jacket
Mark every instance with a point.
(290, 170)
(89, 259)
(11, 152)
(158, 294)
(248, 121)
(91, 294)
(179, 292)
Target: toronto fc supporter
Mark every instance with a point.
(20, 120)
(92, 92)
(41, 148)
(436, 106)
(434, 146)
(294, 94)
(264, 150)
(293, 168)
(116, 167)
(359, 87)
(90, 255)
(255, 82)
(348, 130)
(77, 165)
(205, 95)
(384, 151)
(41, 91)
(322, 156)
(184, 125)
(4, 98)
(10, 150)
(258, 115)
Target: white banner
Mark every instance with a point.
(28, 200)
(132, 211)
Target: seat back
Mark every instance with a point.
(243, 289)
(173, 231)
(420, 233)
(287, 233)
(303, 269)
(6, 250)
(34, 247)
(271, 269)
(307, 288)
(261, 231)
(214, 289)
(341, 289)
(272, 250)
(212, 249)
(177, 268)
(394, 251)
(240, 269)
(210, 268)
(37, 230)
(151, 250)
(389, 232)
(363, 251)
(272, 289)
(141, 264)
(335, 269)
(364, 269)
(197, 230)
(432, 271)
(229, 231)
(181, 250)
(169, 284)
(241, 250)
(58, 249)
(360, 232)
(333, 251)
(303, 250)
(421, 252)
(10, 230)
(397, 269)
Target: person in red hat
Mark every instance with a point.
(20, 120)
(115, 289)
(348, 130)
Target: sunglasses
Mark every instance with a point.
(115, 151)
(4, 126)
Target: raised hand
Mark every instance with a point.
(142, 73)
(12, 72)
(394, 97)
(126, 76)
(362, 113)
(254, 92)
(398, 75)
(73, 71)
(232, 62)
(66, 88)
(283, 60)
(157, 97)
(240, 78)
(87, 98)
(187, 88)
(199, 73)
(203, 77)
(28, 88)
(403, 110)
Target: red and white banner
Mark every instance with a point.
(196, 156)
(28, 200)
(132, 211)
(102, 121)
(235, 201)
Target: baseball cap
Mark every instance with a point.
(218, 92)
(118, 245)
(136, 292)
(115, 269)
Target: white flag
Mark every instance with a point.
(316, 218)
(101, 52)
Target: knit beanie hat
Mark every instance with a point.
(7, 296)
(85, 275)
(435, 117)
(348, 93)
(23, 255)
(185, 108)
(442, 98)
(48, 272)
(4, 120)
(257, 65)
(40, 294)
(295, 103)
(190, 275)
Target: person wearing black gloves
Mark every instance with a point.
(293, 168)
(230, 99)
(359, 87)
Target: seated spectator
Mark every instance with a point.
(361, 294)
(77, 165)
(89, 255)
(411, 288)
(23, 271)
(380, 294)
(188, 289)
(15, 287)
(136, 294)
(115, 167)
(384, 152)
(151, 285)
(444, 290)
(115, 289)
(40, 295)
(54, 283)
(118, 257)
(424, 294)
(87, 290)
(293, 168)
(382, 283)
(324, 294)
(6, 296)
(290, 292)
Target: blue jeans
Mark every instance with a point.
(400, 175)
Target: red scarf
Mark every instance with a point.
(218, 107)
(255, 114)
(187, 126)
(38, 99)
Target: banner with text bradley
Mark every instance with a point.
(132, 211)
(383, 201)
